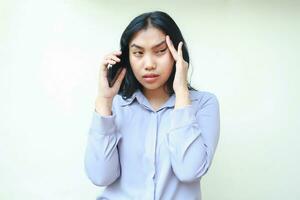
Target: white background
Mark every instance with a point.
(245, 52)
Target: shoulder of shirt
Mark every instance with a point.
(204, 98)
(202, 95)
(195, 95)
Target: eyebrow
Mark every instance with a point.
(139, 47)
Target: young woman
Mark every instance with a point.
(152, 135)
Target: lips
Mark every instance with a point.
(150, 75)
(150, 78)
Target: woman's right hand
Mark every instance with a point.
(103, 103)
(104, 91)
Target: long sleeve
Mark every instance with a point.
(101, 156)
(193, 138)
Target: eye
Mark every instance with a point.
(161, 51)
(138, 53)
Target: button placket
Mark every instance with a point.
(150, 151)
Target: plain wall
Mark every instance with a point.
(245, 52)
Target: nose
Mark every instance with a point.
(149, 63)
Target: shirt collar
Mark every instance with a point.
(139, 96)
(128, 101)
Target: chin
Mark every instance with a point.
(151, 86)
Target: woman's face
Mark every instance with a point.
(149, 55)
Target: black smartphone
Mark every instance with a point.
(113, 71)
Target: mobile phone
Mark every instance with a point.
(113, 72)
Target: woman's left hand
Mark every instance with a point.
(180, 79)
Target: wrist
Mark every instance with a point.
(182, 92)
(103, 106)
(182, 99)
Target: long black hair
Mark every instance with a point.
(163, 22)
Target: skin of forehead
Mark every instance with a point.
(144, 32)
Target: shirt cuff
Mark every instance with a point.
(182, 117)
(103, 125)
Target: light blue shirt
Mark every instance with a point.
(142, 154)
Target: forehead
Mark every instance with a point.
(148, 38)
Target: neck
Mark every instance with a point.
(157, 95)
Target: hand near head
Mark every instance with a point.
(103, 88)
(103, 103)
(180, 79)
